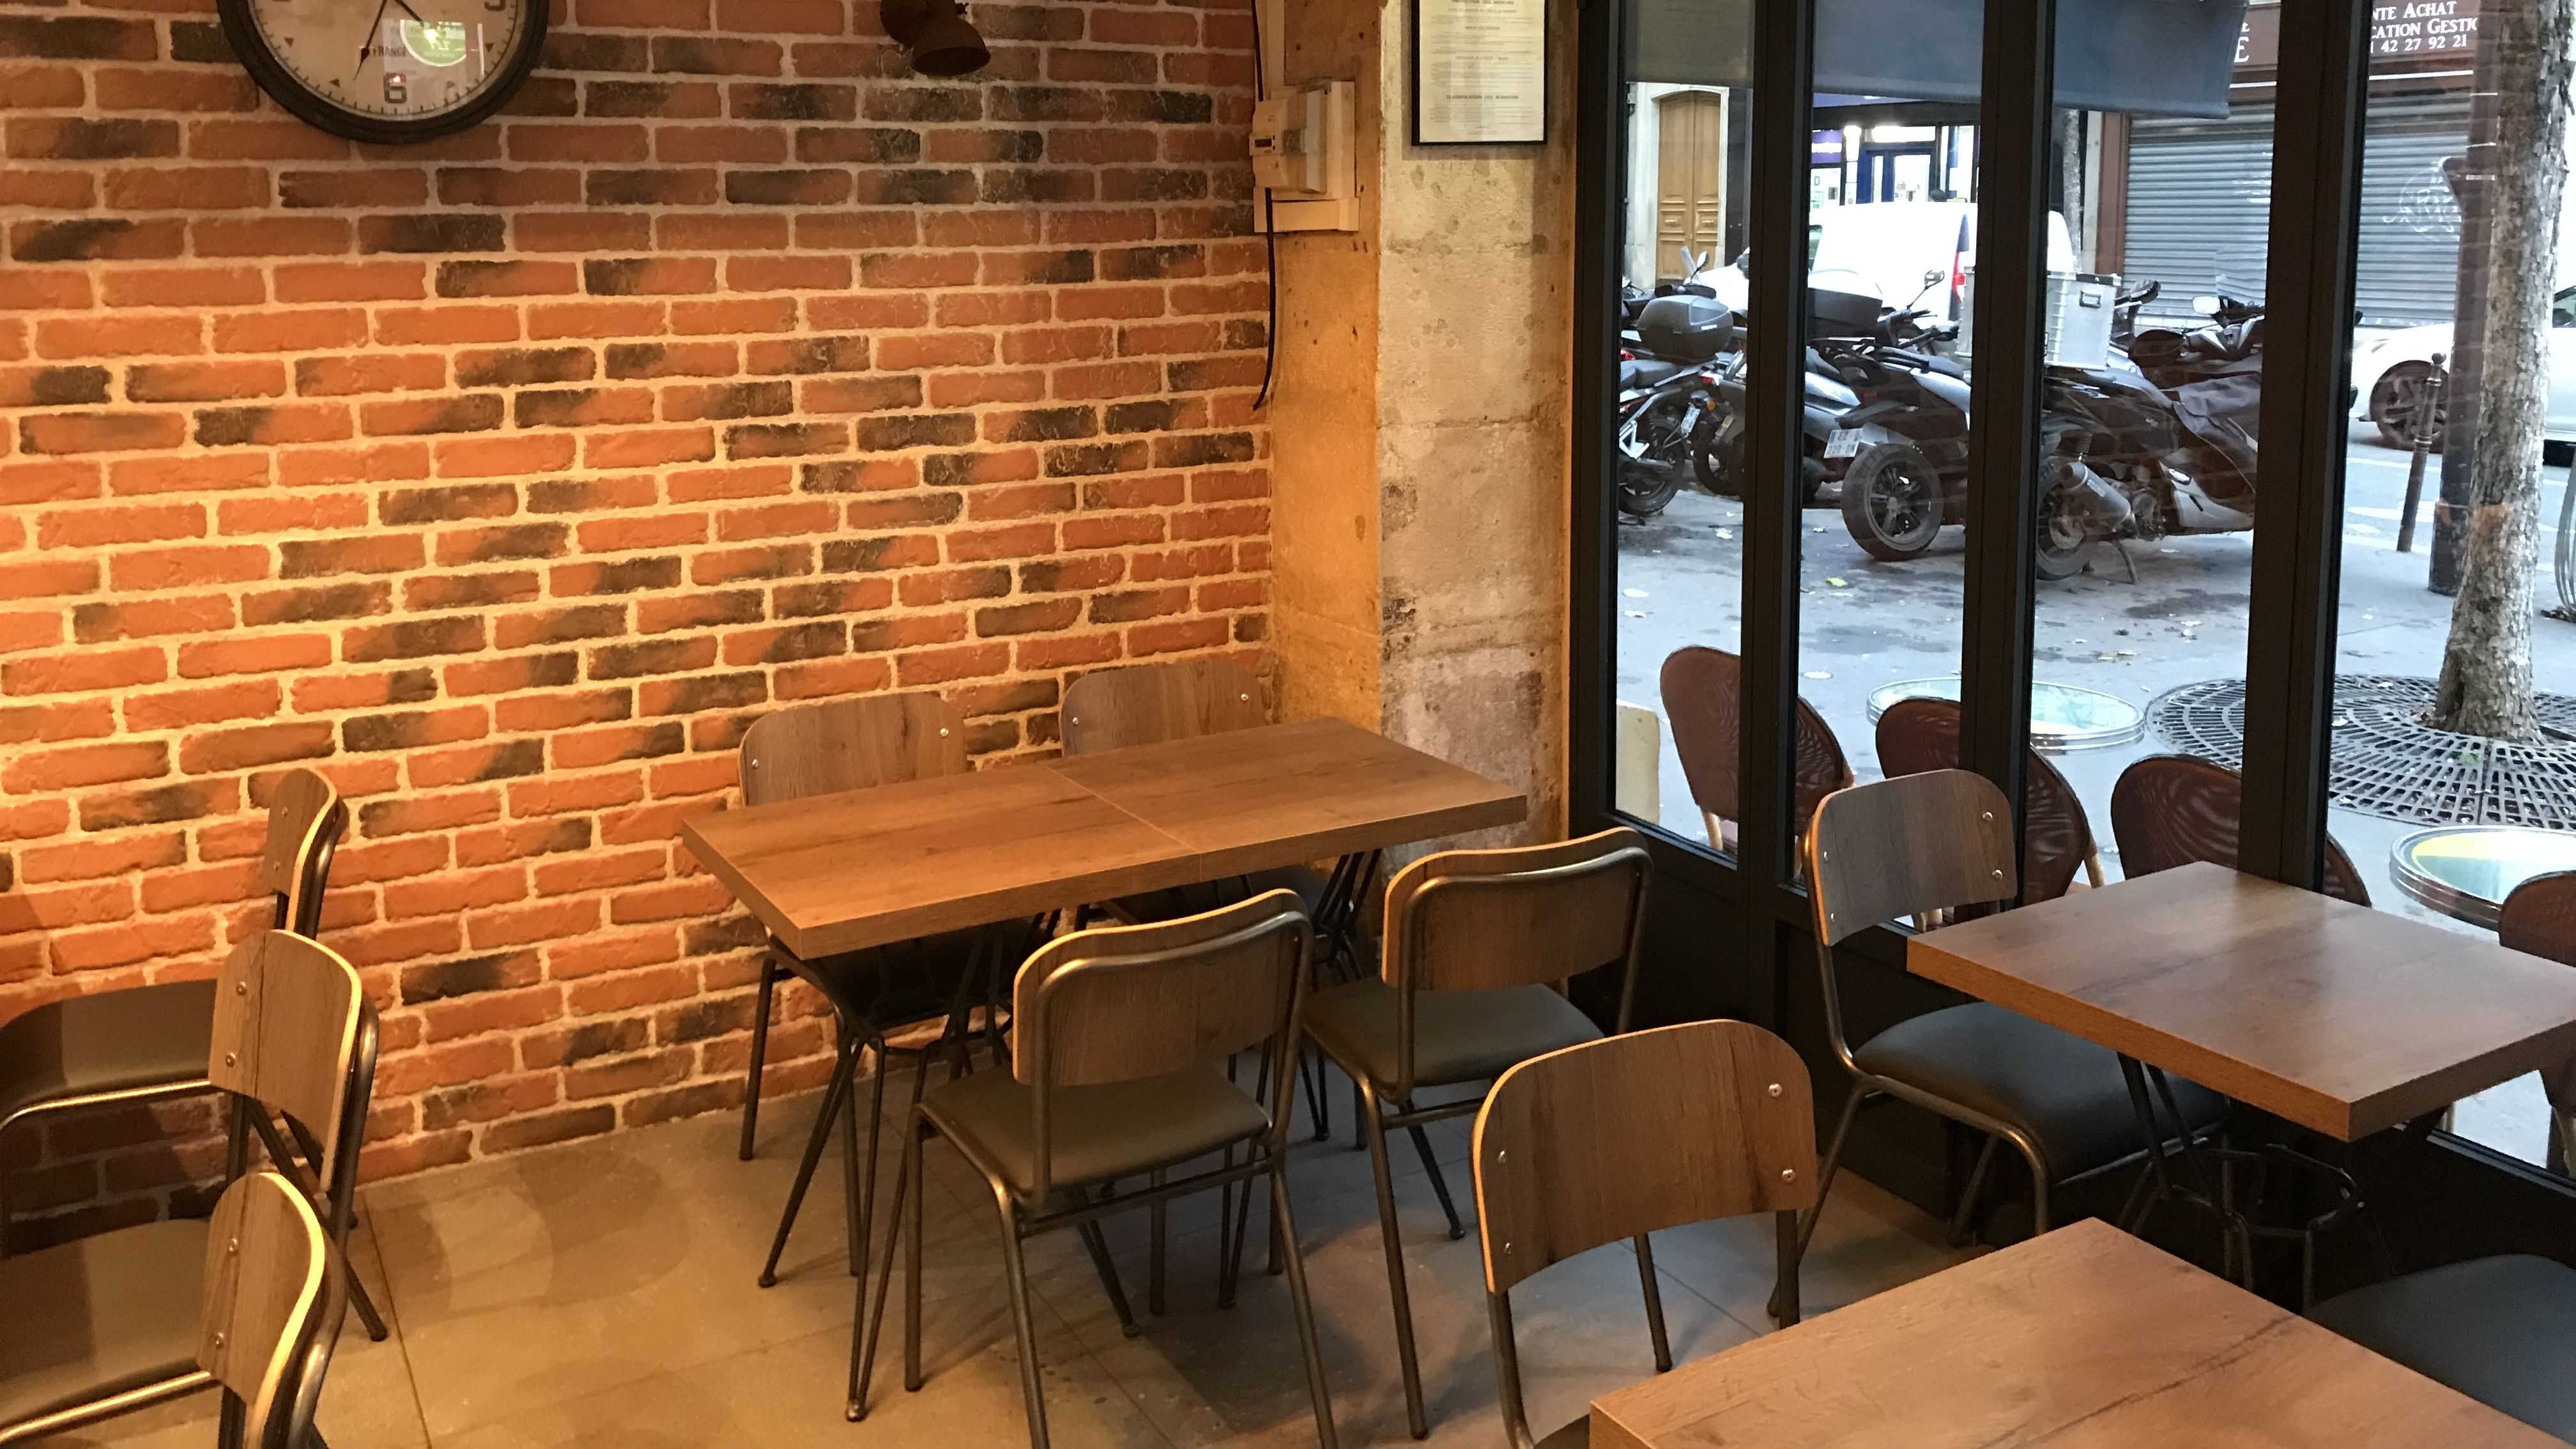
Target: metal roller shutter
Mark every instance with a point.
(2200, 196)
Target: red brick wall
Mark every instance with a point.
(504, 479)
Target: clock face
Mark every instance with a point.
(387, 70)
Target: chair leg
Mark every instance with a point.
(1096, 1243)
(1018, 1273)
(1784, 1291)
(759, 1054)
(1156, 1222)
(2039, 1221)
(1439, 1183)
(1654, 1305)
(1305, 1309)
(1359, 1129)
(1958, 1234)
(1783, 1308)
(1415, 1418)
(866, 1189)
(833, 1091)
(867, 1317)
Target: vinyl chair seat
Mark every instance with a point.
(2064, 1091)
(2501, 1330)
(99, 1316)
(1116, 1130)
(111, 1041)
(1458, 1036)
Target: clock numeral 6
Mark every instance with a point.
(396, 91)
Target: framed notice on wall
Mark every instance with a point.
(1479, 71)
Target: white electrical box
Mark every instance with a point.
(1304, 158)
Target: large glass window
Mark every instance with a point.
(2453, 757)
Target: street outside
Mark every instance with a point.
(1865, 624)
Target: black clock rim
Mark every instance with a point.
(300, 100)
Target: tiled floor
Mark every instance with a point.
(602, 1294)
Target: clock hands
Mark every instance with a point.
(368, 47)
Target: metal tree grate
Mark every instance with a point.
(2387, 763)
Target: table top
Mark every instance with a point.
(2466, 871)
(2084, 1337)
(2063, 717)
(834, 873)
(2337, 1017)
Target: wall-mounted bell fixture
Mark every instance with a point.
(935, 35)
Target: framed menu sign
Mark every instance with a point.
(1479, 71)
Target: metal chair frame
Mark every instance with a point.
(333, 1203)
(1023, 1216)
(1390, 1106)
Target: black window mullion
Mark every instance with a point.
(1600, 139)
(2298, 511)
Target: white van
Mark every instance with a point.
(1908, 254)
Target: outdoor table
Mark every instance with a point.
(2085, 1336)
(2466, 871)
(2336, 1017)
(2063, 717)
(835, 873)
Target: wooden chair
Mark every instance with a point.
(1703, 693)
(1919, 735)
(1120, 1034)
(1475, 940)
(1914, 846)
(1618, 1138)
(105, 1324)
(149, 1043)
(858, 743)
(2539, 916)
(1145, 704)
(2170, 810)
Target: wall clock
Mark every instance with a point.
(387, 70)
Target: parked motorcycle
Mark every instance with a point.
(1668, 397)
(1900, 453)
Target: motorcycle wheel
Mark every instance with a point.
(1713, 461)
(1892, 500)
(2058, 552)
(2394, 399)
(1645, 488)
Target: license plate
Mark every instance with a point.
(1843, 443)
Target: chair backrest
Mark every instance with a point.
(1482, 920)
(2539, 916)
(305, 821)
(1919, 735)
(1146, 704)
(294, 1033)
(1703, 693)
(274, 1295)
(2170, 810)
(854, 743)
(1131, 1003)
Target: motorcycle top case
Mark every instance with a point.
(1842, 314)
(1685, 328)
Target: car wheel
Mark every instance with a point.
(2396, 397)
(1892, 500)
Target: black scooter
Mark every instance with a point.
(1670, 372)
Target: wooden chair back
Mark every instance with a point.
(1703, 692)
(2539, 916)
(2170, 810)
(1635, 1133)
(854, 743)
(273, 1300)
(1146, 704)
(1911, 845)
(294, 1033)
(306, 819)
(1130, 1003)
(1919, 735)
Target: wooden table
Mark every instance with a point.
(2085, 1337)
(835, 873)
(2337, 1017)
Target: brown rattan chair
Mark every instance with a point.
(1475, 940)
(148, 1043)
(1920, 735)
(102, 1325)
(2170, 810)
(1704, 703)
(1617, 1138)
(1914, 846)
(2539, 916)
(861, 743)
(1121, 1033)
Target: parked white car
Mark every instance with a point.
(2389, 372)
(1905, 253)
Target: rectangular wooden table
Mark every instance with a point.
(2085, 1337)
(2334, 1016)
(835, 873)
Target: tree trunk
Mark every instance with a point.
(2485, 688)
